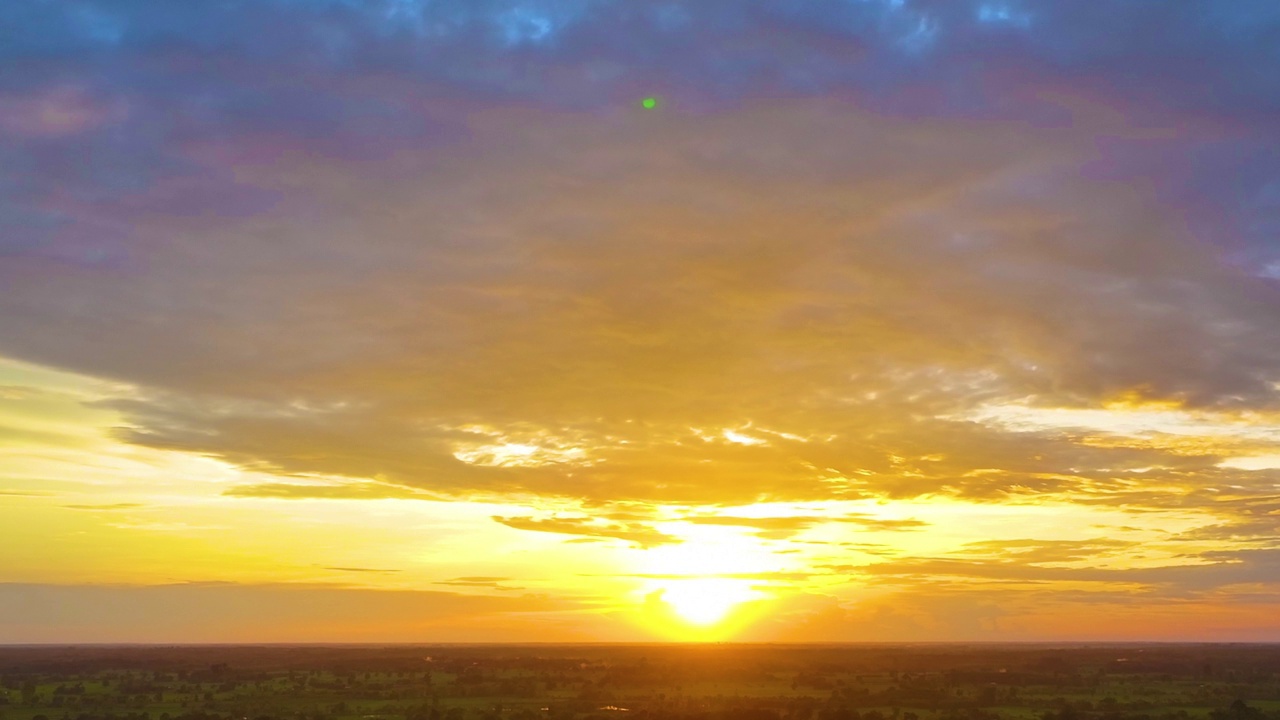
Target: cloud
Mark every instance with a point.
(1047, 551)
(437, 247)
(781, 527)
(871, 318)
(342, 491)
(636, 534)
(55, 112)
(777, 577)
(1205, 572)
(20, 393)
(491, 583)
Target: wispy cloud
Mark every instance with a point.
(778, 527)
(639, 534)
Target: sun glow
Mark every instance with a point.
(705, 602)
(710, 585)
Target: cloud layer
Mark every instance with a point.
(863, 250)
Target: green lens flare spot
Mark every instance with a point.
(649, 103)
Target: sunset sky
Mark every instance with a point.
(408, 320)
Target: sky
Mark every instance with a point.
(412, 321)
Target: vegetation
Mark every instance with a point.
(644, 682)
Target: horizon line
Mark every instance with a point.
(855, 643)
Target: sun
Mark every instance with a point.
(698, 602)
(705, 602)
(711, 586)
